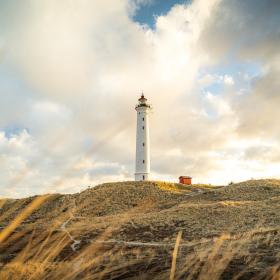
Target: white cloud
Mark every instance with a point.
(73, 71)
(228, 80)
(209, 79)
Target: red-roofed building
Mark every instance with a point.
(186, 180)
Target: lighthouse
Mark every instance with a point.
(142, 165)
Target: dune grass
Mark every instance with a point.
(34, 247)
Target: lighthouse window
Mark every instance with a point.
(143, 144)
(143, 119)
(143, 177)
(143, 127)
(143, 161)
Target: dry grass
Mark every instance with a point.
(174, 255)
(35, 204)
(220, 235)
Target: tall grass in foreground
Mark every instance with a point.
(47, 254)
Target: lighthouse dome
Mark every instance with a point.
(142, 102)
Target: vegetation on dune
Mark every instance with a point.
(144, 230)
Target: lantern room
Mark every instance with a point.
(142, 102)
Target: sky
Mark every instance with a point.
(71, 73)
(146, 12)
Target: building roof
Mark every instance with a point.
(142, 98)
(142, 102)
(185, 177)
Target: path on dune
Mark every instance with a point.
(76, 242)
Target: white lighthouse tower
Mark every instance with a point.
(142, 166)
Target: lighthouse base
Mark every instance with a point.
(142, 176)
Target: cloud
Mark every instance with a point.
(228, 80)
(72, 72)
(246, 39)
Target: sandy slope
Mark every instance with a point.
(150, 214)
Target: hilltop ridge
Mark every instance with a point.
(171, 204)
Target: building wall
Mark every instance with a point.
(142, 169)
(185, 181)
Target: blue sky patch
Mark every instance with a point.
(12, 130)
(147, 12)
